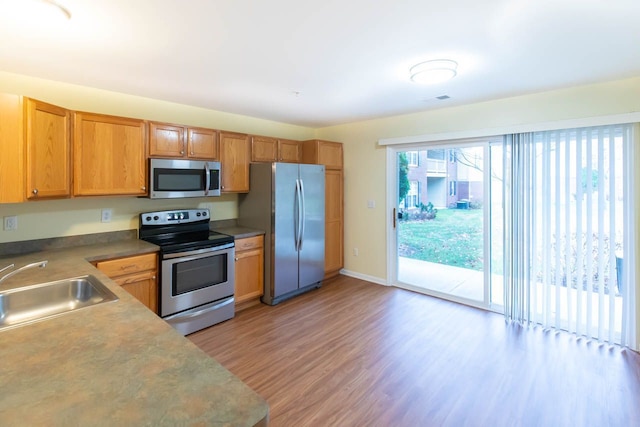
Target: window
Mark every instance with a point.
(453, 185)
(452, 156)
(413, 196)
(412, 157)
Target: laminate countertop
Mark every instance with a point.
(115, 363)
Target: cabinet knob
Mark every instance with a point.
(236, 259)
(143, 188)
(182, 152)
(35, 191)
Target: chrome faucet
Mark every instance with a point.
(40, 264)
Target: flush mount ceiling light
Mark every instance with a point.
(59, 7)
(434, 71)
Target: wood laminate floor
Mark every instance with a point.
(358, 354)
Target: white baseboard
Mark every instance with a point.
(372, 279)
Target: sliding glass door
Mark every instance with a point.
(443, 221)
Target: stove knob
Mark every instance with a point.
(204, 214)
(198, 214)
(156, 217)
(148, 218)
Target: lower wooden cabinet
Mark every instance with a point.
(249, 265)
(137, 275)
(333, 225)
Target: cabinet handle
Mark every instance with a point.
(126, 267)
(35, 191)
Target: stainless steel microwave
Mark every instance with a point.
(170, 179)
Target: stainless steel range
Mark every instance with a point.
(196, 268)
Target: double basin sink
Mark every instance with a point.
(42, 301)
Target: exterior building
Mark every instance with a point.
(448, 178)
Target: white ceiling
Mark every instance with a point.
(322, 62)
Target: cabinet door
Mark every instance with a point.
(264, 149)
(323, 153)
(334, 246)
(11, 149)
(249, 274)
(289, 151)
(202, 143)
(143, 286)
(166, 140)
(234, 162)
(48, 150)
(109, 155)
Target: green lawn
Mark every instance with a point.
(454, 237)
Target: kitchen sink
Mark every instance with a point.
(42, 301)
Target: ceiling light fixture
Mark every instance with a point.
(434, 71)
(58, 6)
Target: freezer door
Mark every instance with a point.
(311, 254)
(285, 215)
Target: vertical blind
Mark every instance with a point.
(568, 223)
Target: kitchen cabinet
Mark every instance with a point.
(137, 275)
(234, 162)
(109, 155)
(329, 153)
(249, 270)
(48, 148)
(35, 154)
(266, 149)
(320, 152)
(333, 225)
(167, 140)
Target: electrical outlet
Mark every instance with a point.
(371, 204)
(106, 215)
(10, 223)
(355, 251)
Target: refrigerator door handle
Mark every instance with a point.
(299, 207)
(304, 215)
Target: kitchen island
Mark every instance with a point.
(115, 363)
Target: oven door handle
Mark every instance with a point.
(204, 252)
(191, 314)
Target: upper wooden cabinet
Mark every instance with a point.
(35, 150)
(321, 152)
(12, 183)
(48, 150)
(167, 140)
(234, 162)
(266, 149)
(109, 155)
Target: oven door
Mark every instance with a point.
(195, 278)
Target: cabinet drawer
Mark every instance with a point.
(249, 243)
(122, 266)
(135, 277)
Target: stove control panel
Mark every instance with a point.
(174, 217)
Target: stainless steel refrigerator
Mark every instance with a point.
(286, 200)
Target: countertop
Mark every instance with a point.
(238, 231)
(115, 363)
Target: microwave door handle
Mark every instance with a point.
(207, 178)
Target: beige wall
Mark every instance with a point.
(365, 160)
(68, 217)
